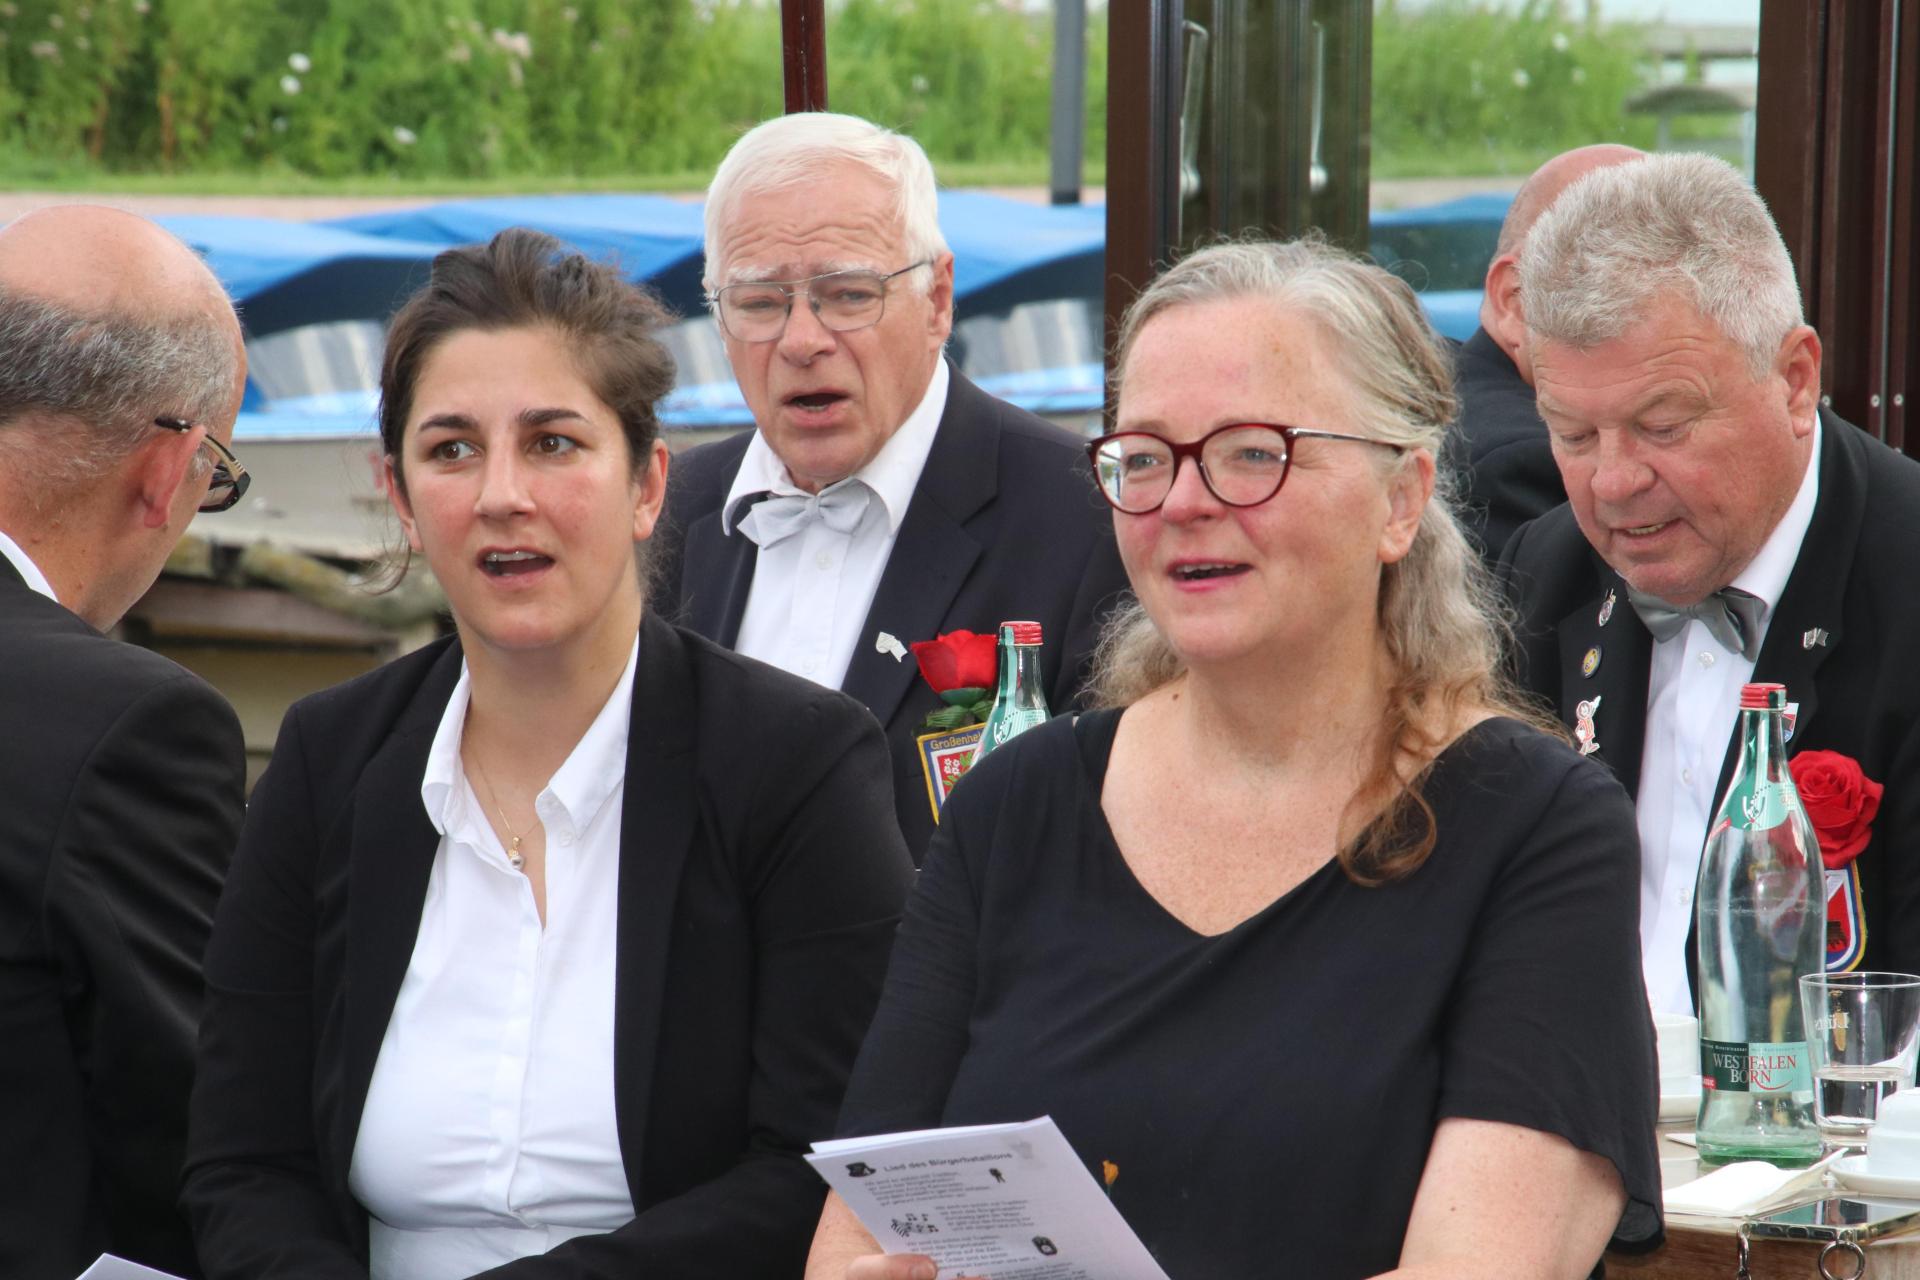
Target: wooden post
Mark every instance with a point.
(803, 46)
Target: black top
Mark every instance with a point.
(1269, 1094)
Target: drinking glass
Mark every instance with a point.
(1863, 1031)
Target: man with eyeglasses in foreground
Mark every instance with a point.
(121, 774)
(882, 499)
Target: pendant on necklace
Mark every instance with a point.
(515, 858)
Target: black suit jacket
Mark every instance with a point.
(760, 880)
(1839, 639)
(1005, 524)
(121, 786)
(1500, 450)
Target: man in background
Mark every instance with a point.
(1500, 448)
(1720, 527)
(882, 498)
(121, 370)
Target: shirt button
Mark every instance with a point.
(1706, 659)
(566, 838)
(806, 668)
(824, 560)
(1686, 776)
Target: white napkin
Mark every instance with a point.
(1744, 1188)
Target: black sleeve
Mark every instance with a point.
(1896, 844)
(253, 1184)
(131, 888)
(1548, 1026)
(1103, 586)
(1516, 482)
(919, 1035)
(826, 897)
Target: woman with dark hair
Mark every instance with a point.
(547, 947)
(1315, 934)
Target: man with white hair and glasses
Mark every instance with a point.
(121, 774)
(1721, 526)
(883, 498)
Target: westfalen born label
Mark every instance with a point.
(1760, 1067)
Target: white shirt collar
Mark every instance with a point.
(1766, 575)
(30, 571)
(593, 770)
(892, 474)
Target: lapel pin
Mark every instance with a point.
(1606, 608)
(1813, 638)
(886, 643)
(1583, 729)
(1590, 663)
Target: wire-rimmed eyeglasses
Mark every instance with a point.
(1243, 464)
(757, 310)
(230, 479)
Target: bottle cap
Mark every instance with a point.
(1024, 632)
(1754, 697)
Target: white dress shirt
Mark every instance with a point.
(489, 1131)
(30, 571)
(810, 592)
(1693, 704)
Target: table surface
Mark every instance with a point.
(1708, 1249)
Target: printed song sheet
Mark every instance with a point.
(1008, 1201)
(108, 1267)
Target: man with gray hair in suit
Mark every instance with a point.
(1721, 526)
(121, 774)
(881, 498)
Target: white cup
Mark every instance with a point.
(1893, 1143)
(1676, 1040)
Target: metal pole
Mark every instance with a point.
(1069, 98)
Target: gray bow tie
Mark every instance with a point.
(1732, 615)
(776, 517)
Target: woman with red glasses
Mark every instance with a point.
(1315, 932)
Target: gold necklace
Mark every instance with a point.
(515, 858)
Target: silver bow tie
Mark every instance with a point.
(776, 517)
(1732, 615)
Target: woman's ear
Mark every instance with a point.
(402, 507)
(1407, 495)
(649, 492)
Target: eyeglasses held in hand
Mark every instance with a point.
(1243, 464)
(230, 479)
(757, 310)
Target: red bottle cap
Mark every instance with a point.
(1753, 697)
(1024, 632)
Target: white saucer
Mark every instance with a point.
(1681, 1105)
(1851, 1173)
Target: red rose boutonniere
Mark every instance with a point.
(1840, 799)
(962, 668)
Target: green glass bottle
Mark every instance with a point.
(1020, 703)
(1760, 923)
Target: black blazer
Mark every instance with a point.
(760, 880)
(1839, 639)
(1500, 450)
(1005, 524)
(121, 786)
